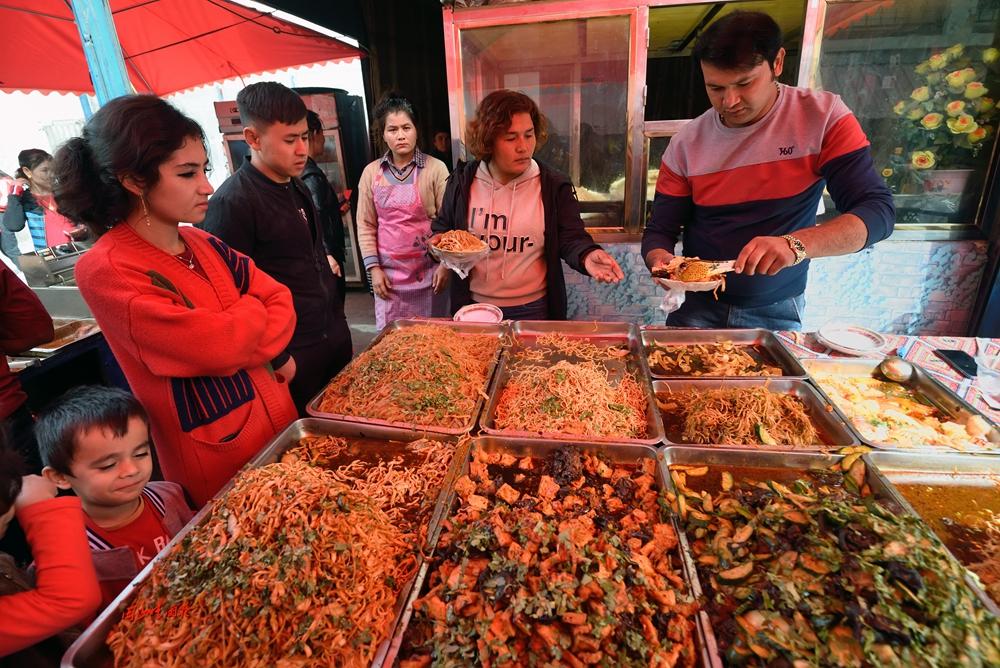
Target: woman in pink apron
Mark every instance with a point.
(399, 195)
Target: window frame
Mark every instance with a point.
(638, 130)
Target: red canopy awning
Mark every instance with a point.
(168, 45)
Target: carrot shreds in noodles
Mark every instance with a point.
(290, 568)
(405, 485)
(459, 241)
(572, 398)
(426, 374)
(740, 416)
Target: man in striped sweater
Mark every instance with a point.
(743, 182)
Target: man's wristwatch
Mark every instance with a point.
(797, 248)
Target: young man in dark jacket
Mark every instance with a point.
(265, 211)
(325, 199)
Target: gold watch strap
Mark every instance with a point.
(797, 247)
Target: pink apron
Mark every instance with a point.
(403, 230)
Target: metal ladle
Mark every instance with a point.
(896, 369)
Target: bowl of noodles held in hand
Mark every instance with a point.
(459, 250)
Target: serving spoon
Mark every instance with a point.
(896, 369)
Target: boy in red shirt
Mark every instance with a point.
(95, 441)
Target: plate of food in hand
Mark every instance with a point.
(692, 274)
(458, 244)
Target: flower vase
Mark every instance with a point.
(946, 181)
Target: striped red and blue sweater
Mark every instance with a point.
(116, 565)
(724, 186)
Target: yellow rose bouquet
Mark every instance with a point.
(946, 121)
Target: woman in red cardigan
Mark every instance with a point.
(198, 330)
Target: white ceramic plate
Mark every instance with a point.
(478, 313)
(687, 286)
(851, 339)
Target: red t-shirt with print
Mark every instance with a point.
(145, 536)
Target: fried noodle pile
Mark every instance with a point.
(406, 488)
(459, 241)
(737, 415)
(427, 375)
(291, 568)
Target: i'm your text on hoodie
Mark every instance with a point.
(511, 219)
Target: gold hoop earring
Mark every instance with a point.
(145, 209)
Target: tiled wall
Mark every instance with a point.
(900, 287)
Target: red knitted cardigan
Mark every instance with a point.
(196, 352)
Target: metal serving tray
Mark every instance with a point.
(17, 364)
(67, 332)
(789, 463)
(526, 332)
(832, 429)
(540, 448)
(499, 330)
(933, 470)
(922, 384)
(90, 650)
(761, 338)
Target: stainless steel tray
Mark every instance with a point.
(525, 332)
(616, 453)
(833, 431)
(67, 332)
(499, 330)
(933, 470)
(18, 364)
(922, 383)
(790, 463)
(760, 338)
(90, 650)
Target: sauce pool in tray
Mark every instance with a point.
(967, 519)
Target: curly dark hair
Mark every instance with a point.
(494, 116)
(129, 136)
